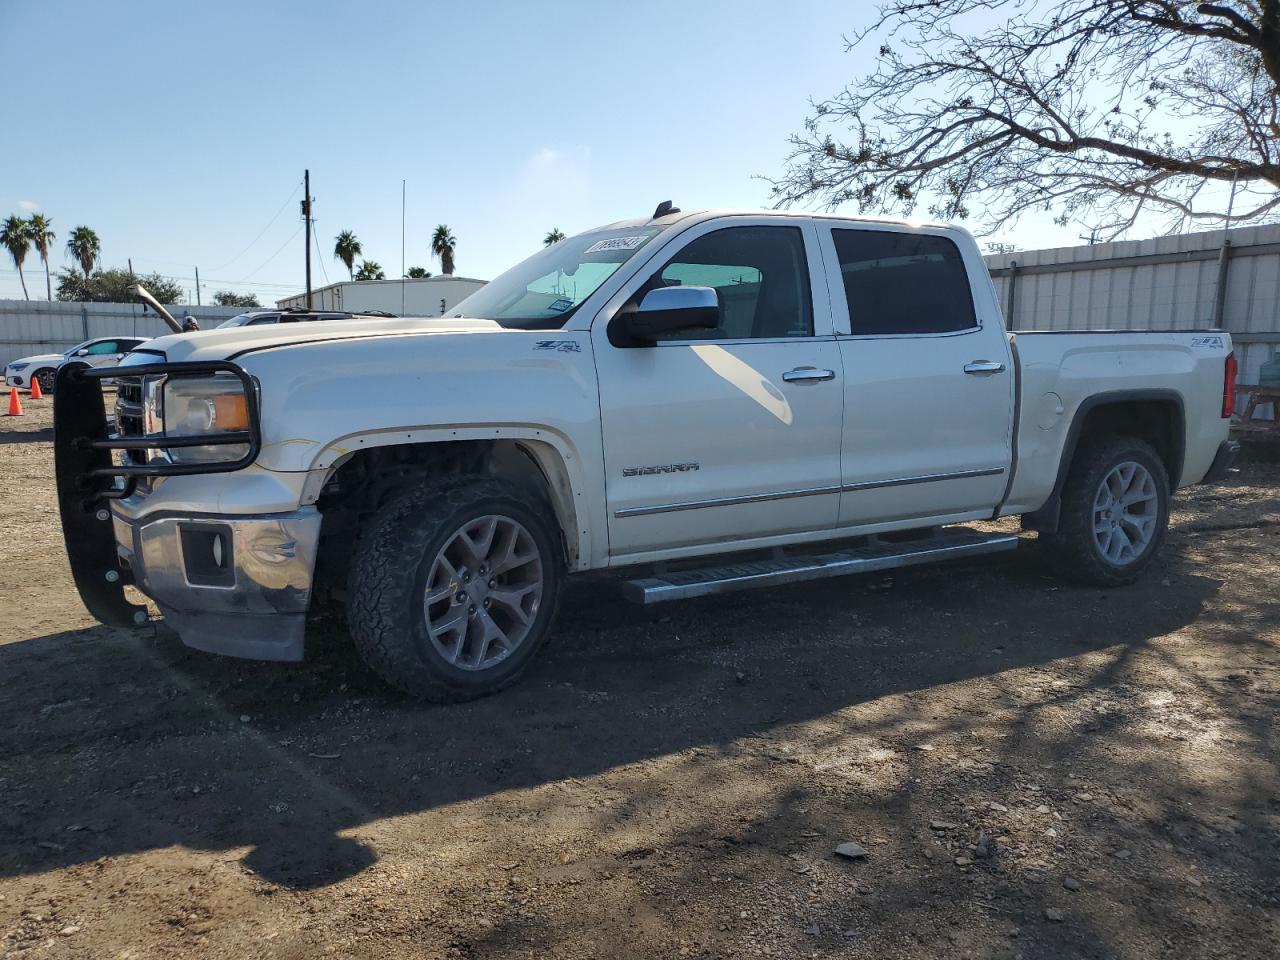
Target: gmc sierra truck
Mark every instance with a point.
(703, 401)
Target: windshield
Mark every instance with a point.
(237, 321)
(543, 292)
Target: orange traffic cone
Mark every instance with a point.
(36, 394)
(15, 405)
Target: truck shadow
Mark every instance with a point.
(114, 742)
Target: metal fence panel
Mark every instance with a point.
(30, 327)
(1162, 283)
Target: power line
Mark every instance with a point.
(178, 278)
(292, 237)
(286, 203)
(320, 257)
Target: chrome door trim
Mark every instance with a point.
(722, 502)
(925, 478)
(803, 492)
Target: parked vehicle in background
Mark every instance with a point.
(259, 317)
(707, 401)
(103, 351)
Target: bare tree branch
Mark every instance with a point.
(1093, 110)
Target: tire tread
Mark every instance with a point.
(378, 590)
(1071, 549)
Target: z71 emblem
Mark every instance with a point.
(563, 346)
(660, 468)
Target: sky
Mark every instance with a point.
(179, 131)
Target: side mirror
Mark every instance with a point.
(82, 353)
(669, 309)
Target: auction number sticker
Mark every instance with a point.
(616, 243)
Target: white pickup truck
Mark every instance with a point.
(705, 401)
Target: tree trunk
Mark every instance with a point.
(24, 282)
(48, 284)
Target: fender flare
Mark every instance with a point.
(551, 451)
(1046, 518)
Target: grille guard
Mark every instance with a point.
(87, 380)
(82, 453)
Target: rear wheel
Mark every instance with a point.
(46, 377)
(1115, 513)
(454, 586)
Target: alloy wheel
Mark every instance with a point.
(483, 592)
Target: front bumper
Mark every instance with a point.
(231, 584)
(238, 586)
(15, 379)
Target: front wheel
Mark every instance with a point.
(1115, 513)
(46, 378)
(454, 586)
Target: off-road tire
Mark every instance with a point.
(387, 580)
(1073, 550)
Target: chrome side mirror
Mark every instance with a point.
(668, 310)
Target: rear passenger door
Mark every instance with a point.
(928, 381)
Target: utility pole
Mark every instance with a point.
(306, 216)
(402, 277)
(197, 286)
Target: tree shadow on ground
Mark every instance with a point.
(141, 744)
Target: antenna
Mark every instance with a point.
(664, 208)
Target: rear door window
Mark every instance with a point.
(903, 283)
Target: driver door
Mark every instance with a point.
(726, 438)
(104, 353)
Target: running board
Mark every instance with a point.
(950, 544)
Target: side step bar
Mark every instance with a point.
(950, 544)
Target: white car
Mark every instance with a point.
(707, 401)
(100, 352)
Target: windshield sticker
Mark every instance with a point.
(561, 305)
(616, 243)
(564, 346)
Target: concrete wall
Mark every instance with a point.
(1164, 283)
(421, 298)
(29, 327)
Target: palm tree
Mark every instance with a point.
(443, 243)
(417, 273)
(555, 235)
(15, 234)
(346, 248)
(84, 247)
(42, 236)
(370, 270)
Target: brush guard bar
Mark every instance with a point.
(86, 472)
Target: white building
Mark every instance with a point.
(431, 297)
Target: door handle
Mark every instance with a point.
(984, 368)
(808, 375)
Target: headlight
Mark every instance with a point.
(18, 366)
(197, 407)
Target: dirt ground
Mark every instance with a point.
(1033, 770)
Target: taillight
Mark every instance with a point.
(1229, 387)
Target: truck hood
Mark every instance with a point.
(225, 343)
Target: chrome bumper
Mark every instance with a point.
(238, 586)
